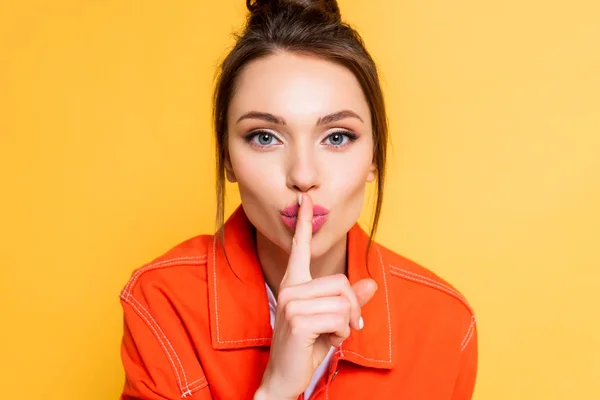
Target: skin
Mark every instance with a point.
(299, 151)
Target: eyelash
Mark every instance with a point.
(350, 135)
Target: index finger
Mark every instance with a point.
(298, 268)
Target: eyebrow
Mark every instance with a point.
(274, 119)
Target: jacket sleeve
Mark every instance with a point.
(465, 383)
(154, 367)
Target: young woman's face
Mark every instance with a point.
(300, 124)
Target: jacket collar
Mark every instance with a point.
(239, 307)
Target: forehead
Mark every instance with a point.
(294, 85)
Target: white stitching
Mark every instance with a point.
(366, 358)
(196, 381)
(187, 389)
(158, 264)
(472, 322)
(338, 353)
(387, 303)
(444, 288)
(431, 283)
(127, 296)
(191, 390)
(429, 280)
(159, 340)
(434, 284)
(341, 351)
(469, 335)
(217, 302)
(166, 339)
(243, 340)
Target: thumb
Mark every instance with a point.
(364, 290)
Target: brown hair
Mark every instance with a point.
(309, 27)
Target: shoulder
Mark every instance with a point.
(178, 269)
(421, 280)
(427, 299)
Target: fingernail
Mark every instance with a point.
(361, 323)
(299, 199)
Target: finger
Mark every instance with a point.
(327, 286)
(336, 340)
(321, 305)
(310, 327)
(364, 290)
(298, 268)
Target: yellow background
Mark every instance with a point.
(494, 178)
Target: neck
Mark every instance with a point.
(274, 260)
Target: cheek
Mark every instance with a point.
(349, 176)
(258, 176)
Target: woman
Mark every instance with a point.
(291, 298)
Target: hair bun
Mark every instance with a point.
(326, 7)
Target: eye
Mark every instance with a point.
(340, 138)
(261, 139)
(264, 138)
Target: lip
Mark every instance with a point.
(289, 216)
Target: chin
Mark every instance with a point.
(318, 251)
(321, 243)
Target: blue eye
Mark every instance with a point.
(337, 139)
(264, 138)
(261, 139)
(341, 138)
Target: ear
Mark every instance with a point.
(372, 173)
(229, 169)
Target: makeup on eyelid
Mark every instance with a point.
(351, 137)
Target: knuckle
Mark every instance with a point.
(284, 296)
(296, 325)
(342, 282)
(345, 333)
(341, 279)
(290, 311)
(339, 321)
(345, 305)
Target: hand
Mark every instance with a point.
(312, 315)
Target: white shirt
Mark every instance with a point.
(320, 371)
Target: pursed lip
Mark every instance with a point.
(292, 211)
(289, 216)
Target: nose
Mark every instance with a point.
(302, 169)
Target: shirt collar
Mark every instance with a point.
(239, 307)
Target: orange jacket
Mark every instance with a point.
(198, 328)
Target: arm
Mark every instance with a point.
(465, 382)
(153, 365)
